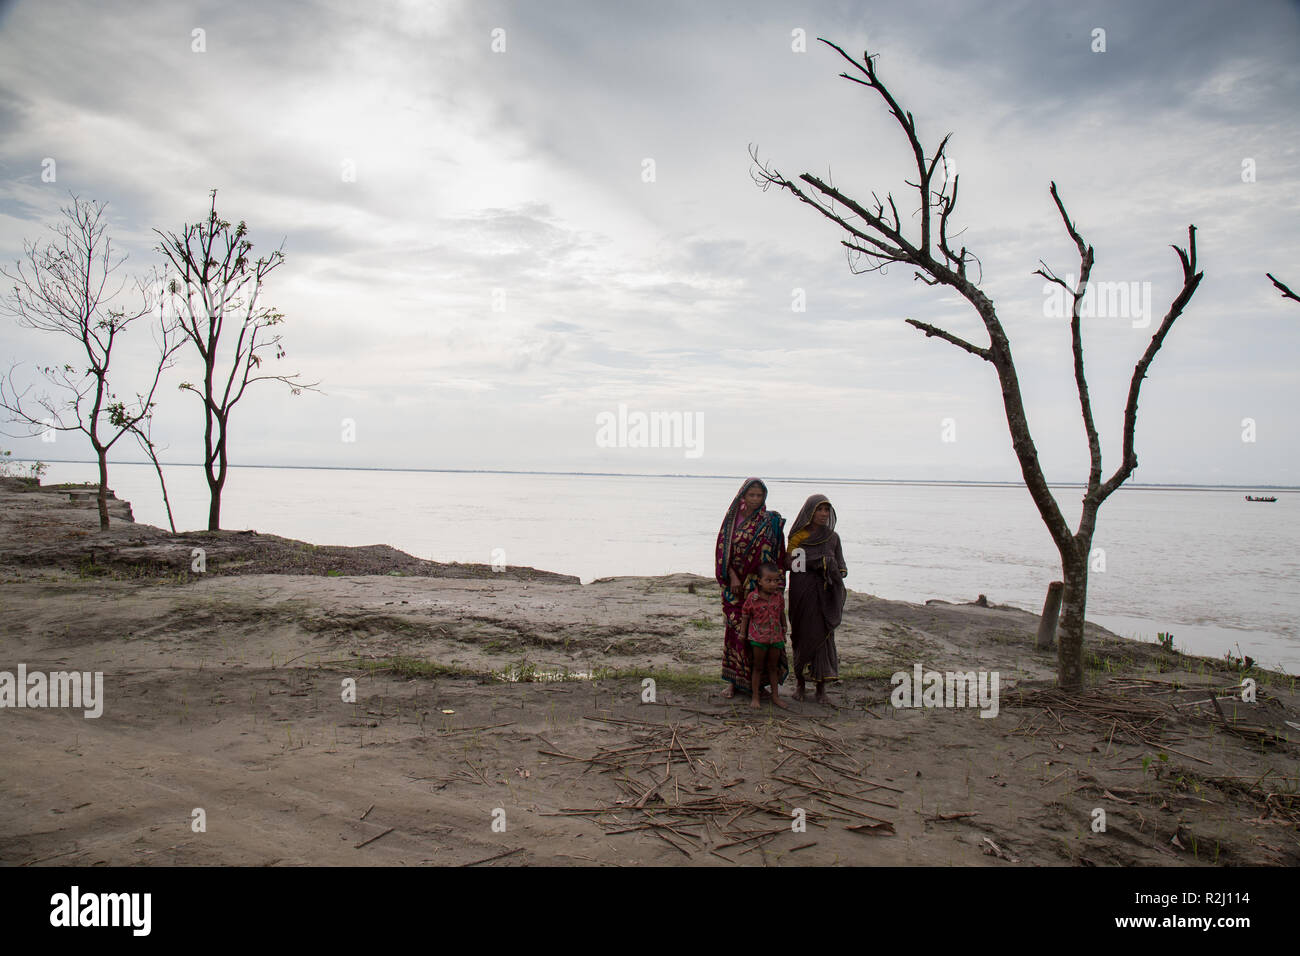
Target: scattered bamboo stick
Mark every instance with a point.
(465, 730)
(374, 838)
(497, 857)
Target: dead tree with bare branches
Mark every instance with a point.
(219, 282)
(69, 285)
(877, 235)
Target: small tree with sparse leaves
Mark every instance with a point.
(216, 293)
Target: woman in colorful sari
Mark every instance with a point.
(750, 536)
(817, 593)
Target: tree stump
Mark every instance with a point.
(1051, 615)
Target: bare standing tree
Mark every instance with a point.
(217, 281)
(68, 285)
(1283, 288)
(877, 234)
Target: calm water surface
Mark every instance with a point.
(1218, 572)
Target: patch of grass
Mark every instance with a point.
(525, 671)
(862, 672)
(88, 569)
(146, 571)
(1113, 657)
(413, 667)
(1100, 662)
(682, 680)
(1024, 638)
(333, 574)
(702, 623)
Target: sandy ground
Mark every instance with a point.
(225, 692)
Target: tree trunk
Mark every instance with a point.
(214, 486)
(217, 482)
(214, 495)
(103, 488)
(162, 481)
(1069, 648)
(214, 507)
(214, 489)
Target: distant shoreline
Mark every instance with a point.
(1145, 486)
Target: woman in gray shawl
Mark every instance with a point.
(816, 594)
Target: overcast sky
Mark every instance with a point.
(498, 272)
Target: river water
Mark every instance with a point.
(1218, 572)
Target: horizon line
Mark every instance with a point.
(615, 474)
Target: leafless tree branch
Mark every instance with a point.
(1191, 280)
(1076, 337)
(930, 330)
(1283, 288)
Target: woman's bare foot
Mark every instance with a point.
(780, 703)
(821, 692)
(754, 703)
(799, 691)
(729, 690)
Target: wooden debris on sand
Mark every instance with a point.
(672, 792)
(1144, 711)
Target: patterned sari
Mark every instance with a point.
(746, 541)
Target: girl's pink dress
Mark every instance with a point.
(764, 617)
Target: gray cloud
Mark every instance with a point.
(500, 254)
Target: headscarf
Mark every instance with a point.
(801, 532)
(722, 553)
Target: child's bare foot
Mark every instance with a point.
(780, 703)
(754, 703)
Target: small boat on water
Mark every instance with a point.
(1268, 498)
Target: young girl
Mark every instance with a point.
(763, 625)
